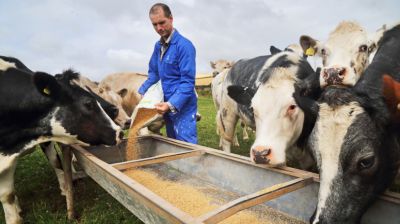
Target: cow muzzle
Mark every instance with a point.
(259, 154)
(333, 76)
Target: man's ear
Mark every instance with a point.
(46, 84)
(240, 94)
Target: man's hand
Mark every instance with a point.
(162, 108)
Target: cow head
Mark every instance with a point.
(80, 116)
(80, 81)
(105, 92)
(356, 156)
(345, 55)
(220, 65)
(278, 119)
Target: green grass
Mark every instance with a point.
(39, 195)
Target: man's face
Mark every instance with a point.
(162, 24)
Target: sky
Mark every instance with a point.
(101, 37)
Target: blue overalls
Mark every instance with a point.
(177, 71)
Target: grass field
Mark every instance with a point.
(42, 203)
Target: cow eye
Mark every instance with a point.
(363, 48)
(323, 52)
(366, 163)
(89, 105)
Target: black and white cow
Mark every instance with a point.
(345, 54)
(259, 92)
(354, 140)
(37, 108)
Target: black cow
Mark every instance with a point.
(354, 140)
(37, 108)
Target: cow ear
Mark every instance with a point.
(212, 64)
(309, 45)
(391, 93)
(46, 84)
(122, 92)
(242, 95)
(373, 39)
(274, 50)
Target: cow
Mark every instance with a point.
(126, 85)
(221, 68)
(345, 54)
(35, 108)
(259, 91)
(354, 140)
(220, 65)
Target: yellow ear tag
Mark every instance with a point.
(310, 51)
(46, 91)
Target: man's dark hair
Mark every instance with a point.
(164, 7)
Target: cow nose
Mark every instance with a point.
(127, 123)
(260, 154)
(334, 76)
(121, 135)
(215, 73)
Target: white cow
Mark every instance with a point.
(260, 91)
(345, 54)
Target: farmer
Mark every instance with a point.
(173, 62)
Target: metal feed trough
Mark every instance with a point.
(239, 183)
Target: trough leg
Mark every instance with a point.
(69, 193)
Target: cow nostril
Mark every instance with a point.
(127, 124)
(121, 135)
(265, 152)
(260, 155)
(341, 72)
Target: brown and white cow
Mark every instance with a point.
(345, 54)
(106, 93)
(126, 85)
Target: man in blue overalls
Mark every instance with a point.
(173, 62)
